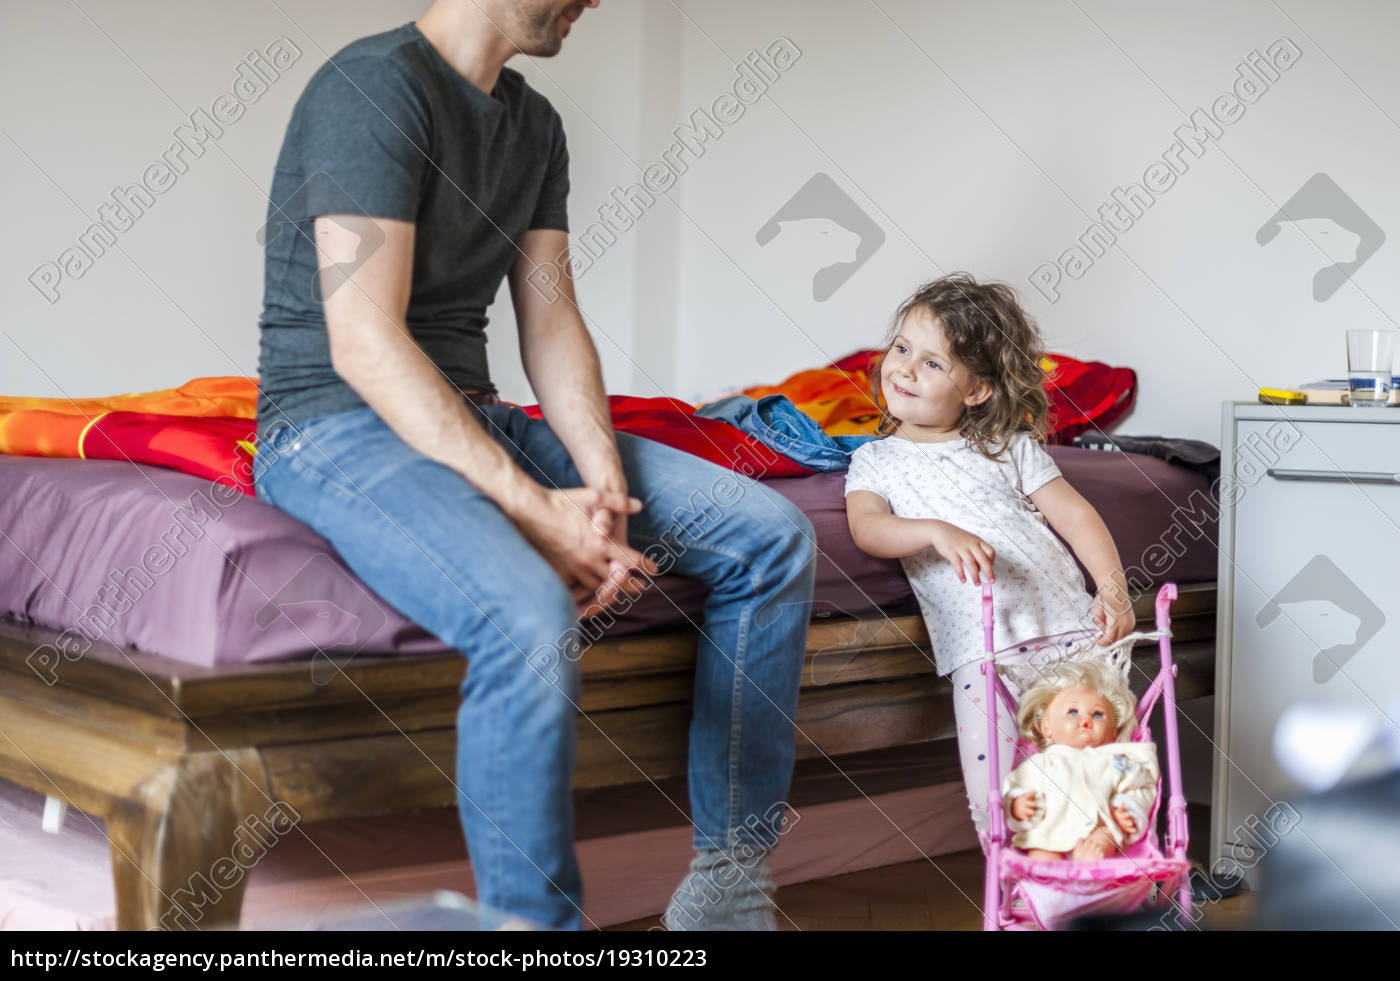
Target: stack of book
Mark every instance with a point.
(1328, 391)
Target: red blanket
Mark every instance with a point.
(676, 424)
(206, 427)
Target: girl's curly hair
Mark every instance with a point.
(997, 342)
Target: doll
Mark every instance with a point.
(1089, 792)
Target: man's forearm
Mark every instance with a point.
(392, 374)
(562, 365)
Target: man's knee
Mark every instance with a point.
(784, 530)
(538, 640)
(555, 650)
(553, 645)
(783, 563)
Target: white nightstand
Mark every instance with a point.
(1309, 597)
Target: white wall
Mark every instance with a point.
(988, 150)
(90, 103)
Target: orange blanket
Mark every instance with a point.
(837, 396)
(204, 427)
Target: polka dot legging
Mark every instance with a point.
(970, 713)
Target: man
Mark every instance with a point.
(418, 172)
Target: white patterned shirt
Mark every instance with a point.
(1039, 590)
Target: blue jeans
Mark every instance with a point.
(442, 553)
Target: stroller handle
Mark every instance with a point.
(1166, 596)
(987, 617)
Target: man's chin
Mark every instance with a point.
(545, 43)
(546, 47)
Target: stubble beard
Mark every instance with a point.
(539, 29)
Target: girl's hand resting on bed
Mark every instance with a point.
(971, 557)
(1125, 821)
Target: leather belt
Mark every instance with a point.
(477, 397)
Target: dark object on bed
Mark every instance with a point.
(1191, 453)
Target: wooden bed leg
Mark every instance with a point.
(183, 844)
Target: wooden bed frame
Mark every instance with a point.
(179, 760)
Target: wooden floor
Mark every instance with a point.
(943, 893)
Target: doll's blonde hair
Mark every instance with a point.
(1099, 676)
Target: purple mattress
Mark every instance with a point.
(158, 561)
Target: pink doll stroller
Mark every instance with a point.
(1025, 893)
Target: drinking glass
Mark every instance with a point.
(1368, 366)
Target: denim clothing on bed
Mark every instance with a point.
(774, 421)
(437, 549)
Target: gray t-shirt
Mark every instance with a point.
(388, 128)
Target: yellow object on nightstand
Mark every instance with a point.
(1281, 396)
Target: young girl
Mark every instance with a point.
(962, 492)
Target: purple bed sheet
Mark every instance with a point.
(162, 562)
